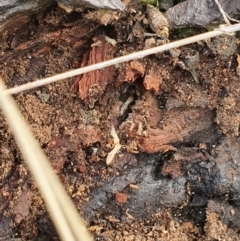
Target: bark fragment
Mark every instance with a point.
(92, 85)
(180, 126)
(71, 34)
(156, 130)
(130, 72)
(153, 79)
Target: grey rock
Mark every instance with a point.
(200, 13)
(109, 4)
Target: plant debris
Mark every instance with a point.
(92, 85)
(176, 175)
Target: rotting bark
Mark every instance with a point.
(92, 85)
(156, 130)
(181, 125)
(43, 42)
(130, 72)
(33, 48)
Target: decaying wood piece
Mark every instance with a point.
(129, 72)
(31, 50)
(70, 35)
(180, 126)
(153, 79)
(92, 85)
(156, 130)
(151, 74)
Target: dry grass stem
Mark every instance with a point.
(118, 60)
(64, 214)
(223, 12)
(225, 15)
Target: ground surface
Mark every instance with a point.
(176, 176)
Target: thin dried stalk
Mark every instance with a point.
(225, 15)
(222, 12)
(63, 213)
(116, 61)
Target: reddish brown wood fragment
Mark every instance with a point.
(130, 72)
(155, 130)
(152, 79)
(180, 126)
(72, 34)
(134, 71)
(159, 141)
(97, 79)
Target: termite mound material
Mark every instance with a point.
(176, 175)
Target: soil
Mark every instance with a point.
(176, 176)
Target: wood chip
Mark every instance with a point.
(152, 79)
(130, 72)
(92, 85)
